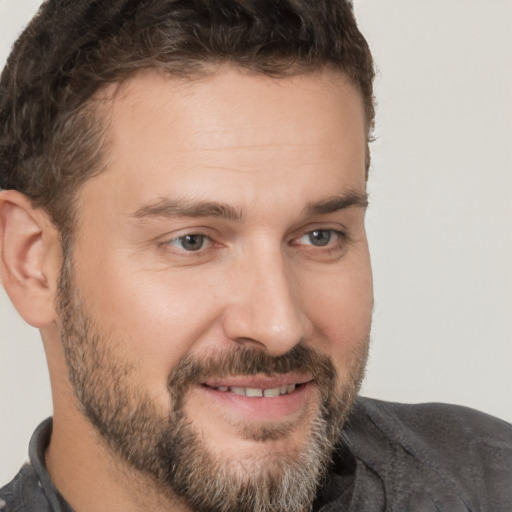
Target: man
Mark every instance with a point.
(182, 217)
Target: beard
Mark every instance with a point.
(170, 448)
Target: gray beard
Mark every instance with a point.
(171, 451)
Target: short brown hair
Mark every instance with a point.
(51, 136)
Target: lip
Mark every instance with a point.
(259, 381)
(260, 409)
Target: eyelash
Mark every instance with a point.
(340, 235)
(341, 239)
(174, 241)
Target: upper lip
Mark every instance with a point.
(259, 381)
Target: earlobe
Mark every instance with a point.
(29, 258)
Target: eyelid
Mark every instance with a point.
(332, 252)
(206, 238)
(187, 231)
(340, 233)
(171, 241)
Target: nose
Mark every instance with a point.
(265, 308)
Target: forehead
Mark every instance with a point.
(232, 127)
(229, 98)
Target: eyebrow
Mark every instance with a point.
(169, 208)
(337, 202)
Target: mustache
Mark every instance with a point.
(239, 361)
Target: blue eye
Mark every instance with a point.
(328, 239)
(320, 237)
(190, 242)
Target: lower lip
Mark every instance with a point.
(262, 408)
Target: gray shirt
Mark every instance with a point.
(393, 457)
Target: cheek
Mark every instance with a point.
(341, 311)
(153, 318)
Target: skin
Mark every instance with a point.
(266, 148)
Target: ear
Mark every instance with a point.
(30, 258)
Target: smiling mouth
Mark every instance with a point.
(259, 392)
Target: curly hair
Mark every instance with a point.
(51, 133)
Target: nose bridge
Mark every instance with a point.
(267, 310)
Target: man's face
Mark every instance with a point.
(217, 310)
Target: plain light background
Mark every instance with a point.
(440, 220)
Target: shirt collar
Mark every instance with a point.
(36, 451)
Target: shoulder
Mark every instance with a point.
(12, 495)
(436, 424)
(24, 493)
(468, 451)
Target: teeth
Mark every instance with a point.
(272, 392)
(253, 392)
(257, 392)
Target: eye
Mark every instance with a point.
(190, 243)
(321, 237)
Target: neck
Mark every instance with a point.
(91, 478)
(85, 470)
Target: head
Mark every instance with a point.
(184, 184)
